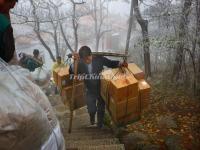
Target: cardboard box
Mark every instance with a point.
(137, 72)
(144, 94)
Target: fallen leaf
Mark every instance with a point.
(172, 131)
(191, 137)
(182, 131)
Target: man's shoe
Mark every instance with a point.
(92, 123)
(100, 125)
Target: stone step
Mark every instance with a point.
(104, 147)
(92, 136)
(97, 142)
(86, 133)
(92, 130)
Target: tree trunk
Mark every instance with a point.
(146, 43)
(96, 26)
(181, 39)
(97, 43)
(198, 52)
(56, 43)
(65, 38)
(45, 45)
(37, 31)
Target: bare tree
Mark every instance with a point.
(146, 44)
(75, 22)
(99, 17)
(37, 30)
(46, 20)
(181, 39)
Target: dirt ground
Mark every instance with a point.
(171, 122)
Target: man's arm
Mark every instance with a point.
(110, 63)
(9, 44)
(71, 68)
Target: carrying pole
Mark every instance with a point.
(110, 54)
(73, 95)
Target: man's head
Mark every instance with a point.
(1, 2)
(21, 55)
(6, 5)
(85, 54)
(59, 60)
(36, 53)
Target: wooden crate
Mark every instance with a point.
(137, 72)
(144, 94)
(124, 87)
(124, 111)
(55, 75)
(64, 77)
(106, 77)
(133, 106)
(79, 99)
(117, 109)
(129, 118)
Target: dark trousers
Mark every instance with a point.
(95, 104)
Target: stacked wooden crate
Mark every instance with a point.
(61, 76)
(65, 84)
(125, 93)
(144, 94)
(79, 99)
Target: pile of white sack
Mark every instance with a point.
(27, 120)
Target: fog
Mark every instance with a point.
(112, 30)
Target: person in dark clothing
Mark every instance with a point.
(29, 62)
(90, 67)
(7, 43)
(36, 56)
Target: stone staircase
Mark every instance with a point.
(92, 139)
(84, 137)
